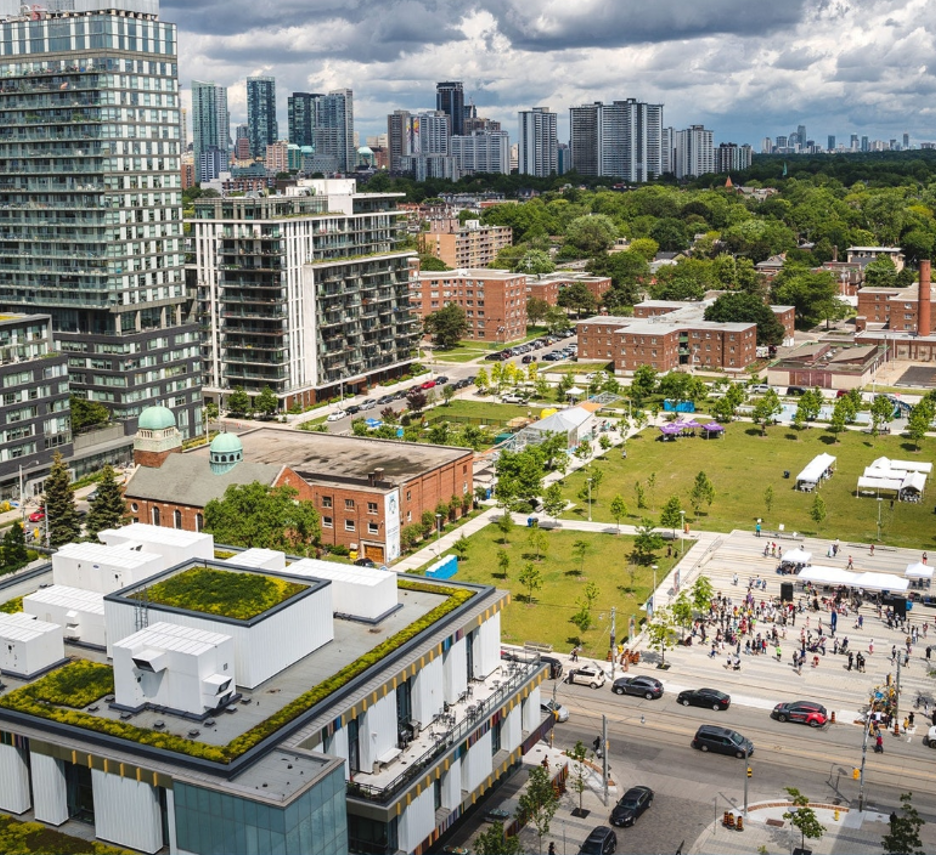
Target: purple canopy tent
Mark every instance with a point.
(713, 429)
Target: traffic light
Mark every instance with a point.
(750, 772)
(856, 774)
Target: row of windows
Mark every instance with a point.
(350, 525)
(349, 504)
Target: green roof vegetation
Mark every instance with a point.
(12, 606)
(241, 596)
(36, 838)
(81, 683)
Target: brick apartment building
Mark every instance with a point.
(365, 490)
(898, 319)
(548, 286)
(494, 301)
(468, 245)
(894, 308)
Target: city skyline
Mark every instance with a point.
(745, 73)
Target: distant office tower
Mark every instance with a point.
(766, 145)
(906, 142)
(91, 201)
(801, 134)
(865, 146)
(241, 143)
(537, 154)
(211, 127)
(667, 155)
(732, 158)
(853, 144)
(450, 99)
(397, 126)
(334, 128)
(830, 143)
(621, 140)
(694, 153)
(482, 152)
(425, 151)
(585, 138)
(301, 117)
(262, 129)
(783, 142)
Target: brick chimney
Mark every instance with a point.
(924, 306)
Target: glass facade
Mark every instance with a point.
(91, 198)
(214, 823)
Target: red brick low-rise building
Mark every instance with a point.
(366, 490)
(494, 300)
(548, 286)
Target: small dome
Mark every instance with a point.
(226, 443)
(365, 149)
(156, 418)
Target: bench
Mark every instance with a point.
(386, 758)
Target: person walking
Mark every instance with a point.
(924, 558)
(757, 530)
(872, 550)
(871, 647)
(851, 564)
(851, 659)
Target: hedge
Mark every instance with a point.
(34, 837)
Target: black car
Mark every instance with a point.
(352, 410)
(460, 384)
(471, 378)
(711, 698)
(442, 380)
(386, 399)
(555, 666)
(630, 806)
(365, 562)
(801, 712)
(649, 687)
(602, 841)
(722, 740)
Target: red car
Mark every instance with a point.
(37, 516)
(429, 384)
(801, 712)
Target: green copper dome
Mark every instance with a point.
(224, 453)
(156, 418)
(226, 443)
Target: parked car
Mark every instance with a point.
(513, 398)
(386, 399)
(368, 404)
(711, 698)
(801, 712)
(429, 384)
(471, 378)
(336, 416)
(601, 841)
(37, 516)
(552, 356)
(441, 380)
(631, 805)
(497, 815)
(353, 410)
(588, 675)
(527, 359)
(555, 666)
(493, 357)
(722, 740)
(760, 388)
(649, 687)
(795, 391)
(929, 739)
(460, 384)
(557, 709)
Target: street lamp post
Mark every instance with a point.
(439, 534)
(879, 518)
(682, 532)
(588, 481)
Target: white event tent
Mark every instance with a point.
(818, 468)
(868, 581)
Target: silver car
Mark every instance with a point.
(557, 709)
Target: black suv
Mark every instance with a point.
(602, 841)
(722, 740)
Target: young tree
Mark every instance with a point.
(532, 579)
(447, 326)
(618, 510)
(651, 486)
(553, 501)
(579, 551)
(583, 617)
(641, 496)
(671, 516)
(646, 542)
(683, 612)
(255, 515)
(493, 841)
(238, 402)
(503, 562)
(592, 592)
(415, 400)
(921, 420)
(903, 838)
(266, 402)
(766, 409)
(803, 818)
(14, 552)
(505, 525)
(703, 492)
(410, 535)
(538, 542)
(483, 380)
(448, 392)
(843, 411)
(461, 547)
(818, 512)
(107, 508)
(539, 802)
(643, 384)
(61, 516)
(882, 413)
(579, 755)
(537, 308)
(87, 414)
(768, 497)
(661, 633)
(703, 592)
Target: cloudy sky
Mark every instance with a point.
(744, 69)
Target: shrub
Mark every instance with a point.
(339, 549)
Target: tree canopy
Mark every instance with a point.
(447, 326)
(744, 308)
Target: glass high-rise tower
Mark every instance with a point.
(211, 129)
(262, 127)
(91, 199)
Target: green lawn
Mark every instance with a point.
(465, 352)
(490, 412)
(572, 367)
(743, 464)
(547, 619)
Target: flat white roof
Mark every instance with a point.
(113, 556)
(180, 639)
(68, 597)
(349, 573)
(145, 533)
(23, 627)
(257, 557)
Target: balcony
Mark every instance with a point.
(475, 706)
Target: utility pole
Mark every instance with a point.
(864, 756)
(748, 774)
(897, 694)
(604, 752)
